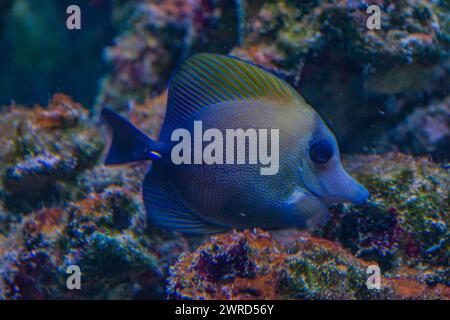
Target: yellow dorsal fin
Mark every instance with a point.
(205, 79)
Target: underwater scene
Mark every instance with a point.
(225, 149)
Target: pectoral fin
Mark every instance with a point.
(304, 210)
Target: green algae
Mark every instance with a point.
(406, 220)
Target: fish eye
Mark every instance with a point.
(320, 152)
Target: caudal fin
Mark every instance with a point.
(128, 144)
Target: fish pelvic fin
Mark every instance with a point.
(166, 209)
(205, 80)
(128, 143)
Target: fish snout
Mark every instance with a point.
(353, 191)
(343, 188)
(361, 195)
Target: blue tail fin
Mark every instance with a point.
(128, 143)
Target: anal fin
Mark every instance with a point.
(165, 208)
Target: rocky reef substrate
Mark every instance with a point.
(59, 206)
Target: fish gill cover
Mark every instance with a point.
(383, 93)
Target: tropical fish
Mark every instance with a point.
(225, 92)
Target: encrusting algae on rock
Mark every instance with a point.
(43, 147)
(406, 222)
(425, 131)
(53, 215)
(253, 265)
(155, 36)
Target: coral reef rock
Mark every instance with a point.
(425, 130)
(60, 207)
(406, 221)
(155, 36)
(361, 79)
(253, 265)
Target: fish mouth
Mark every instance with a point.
(346, 189)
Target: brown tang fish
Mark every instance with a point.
(288, 174)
